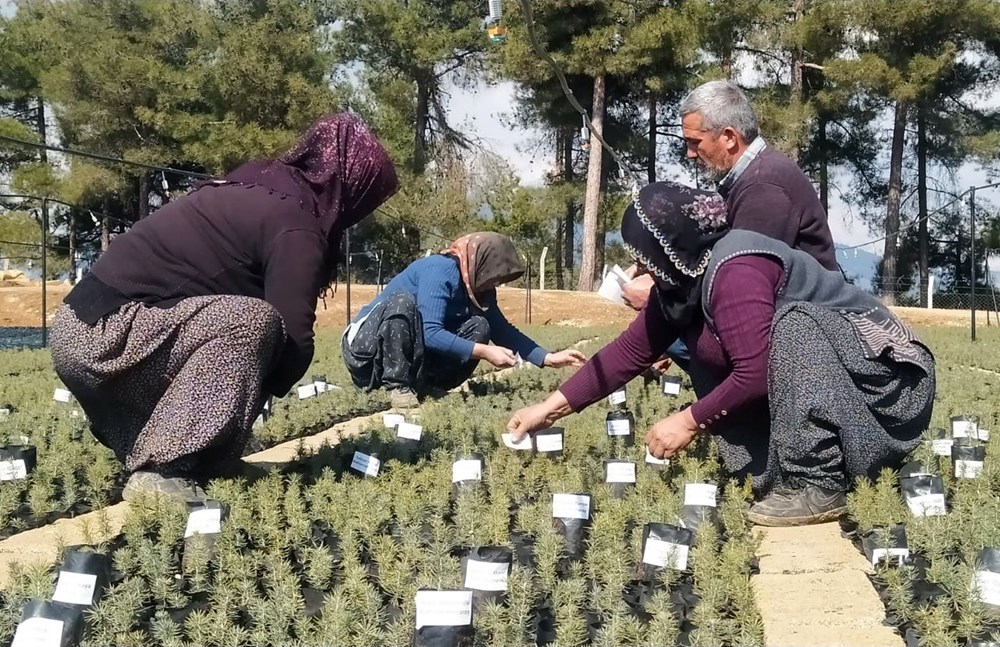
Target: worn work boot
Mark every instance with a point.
(403, 398)
(798, 507)
(154, 484)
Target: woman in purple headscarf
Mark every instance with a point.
(188, 322)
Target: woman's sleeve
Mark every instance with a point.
(504, 333)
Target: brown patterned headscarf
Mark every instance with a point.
(485, 260)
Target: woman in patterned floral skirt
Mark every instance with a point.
(191, 319)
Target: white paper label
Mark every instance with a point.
(322, 387)
(618, 397)
(38, 632)
(621, 473)
(702, 494)
(75, 588)
(24, 440)
(665, 554)
(671, 388)
(523, 444)
(62, 395)
(365, 464)
(444, 608)
(390, 420)
(306, 391)
(4, 412)
(571, 506)
(549, 442)
(619, 428)
(984, 434)
(486, 576)
(653, 460)
(888, 554)
(987, 583)
(942, 446)
(968, 469)
(258, 421)
(206, 521)
(470, 469)
(927, 505)
(409, 431)
(963, 429)
(14, 470)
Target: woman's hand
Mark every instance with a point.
(672, 434)
(564, 358)
(496, 355)
(538, 416)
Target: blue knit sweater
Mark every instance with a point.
(436, 284)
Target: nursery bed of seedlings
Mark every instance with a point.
(431, 532)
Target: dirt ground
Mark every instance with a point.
(22, 306)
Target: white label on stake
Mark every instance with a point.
(365, 464)
(987, 583)
(968, 469)
(571, 506)
(38, 632)
(409, 431)
(942, 446)
(62, 395)
(887, 554)
(963, 429)
(927, 505)
(523, 444)
(14, 470)
(486, 576)
(618, 397)
(206, 521)
(619, 428)
(671, 388)
(621, 472)
(306, 391)
(75, 588)
(444, 608)
(665, 554)
(470, 469)
(653, 460)
(549, 442)
(390, 420)
(702, 494)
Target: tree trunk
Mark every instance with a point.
(797, 89)
(72, 247)
(420, 127)
(922, 233)
(557, 247)
(651, 141)
(43, 154)
(105, 225)
(824, 168)
(895, 198)
(592, 200)
(569, 220)
(143, 196)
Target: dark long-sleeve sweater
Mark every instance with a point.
(229, 239)
(736, 349)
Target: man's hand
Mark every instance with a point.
(564, 358)
(496, 355)
(636, 292)
(672, 434)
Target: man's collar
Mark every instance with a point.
(749, 155)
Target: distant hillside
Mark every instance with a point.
(859, 265)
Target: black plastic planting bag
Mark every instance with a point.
(700, 505)
(620, 477)
(444, 619)
(621, 427)
(986, 578)
(571, 519)
(49, 624)
(466, 472)
(924, 495)
(890, 548)
(967, 459)
(485, 571)
(83, 576)
(670, 385)
(17, 462)
(204, 523)
(663, 546)
(408, 437)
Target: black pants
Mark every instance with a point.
(388, 350)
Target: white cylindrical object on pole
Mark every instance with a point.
(930, 291)
(541, 268)
(496, 10)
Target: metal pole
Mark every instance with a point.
(347, 271)
(45, 268)
(972, 256)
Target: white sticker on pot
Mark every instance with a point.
(469, 469)
(621, 472)
(549, 442)
(38, 632)
(942, 446)
(306, 391)
(486, 576)
(365, 464)
(964, 428)
(523, 444)
(619, 427)
(62, 395)
(571, 506)
(984, 434)
(671, 387)
(14, 470)
(703, 494)
(988, 585)
(390, 420)
(927, 505)
(665, 554)
(206, 521)
(75, 588)
(444, 608)
(968, 469)
(618, 397)
(4, 412)
(653, 460)
(409, 431)
(878, 554)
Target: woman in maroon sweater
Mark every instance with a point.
(804, 380)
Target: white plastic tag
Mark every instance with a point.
(927, 505)
(470, 469)
(365, 464)
(486, 576)
(968, 469)
(75, 588)
(618, 397)
(621, 472)
(879, 554)
(653, 460)
(521, 445)
(570, 506)
(703, 494)
(14, 470)
(549, 442)
(444, 608)
(204, 521)
(619, 427)
(987, 583)
(38, 632)
(306, 391)
(390, 420)
(409, 431)
(665, 554)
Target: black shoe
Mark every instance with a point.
(799, 507)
